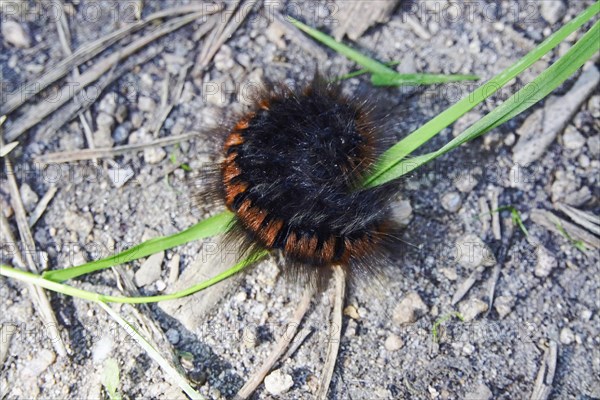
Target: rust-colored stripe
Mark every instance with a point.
(232, 190)
(328, 249)
(269, 234)
(264, 104)
(307, 246)
(234, 139)
(244, 122)
(291, 243)
(230, 171)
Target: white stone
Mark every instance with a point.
(277, 382)
(43, 359)
(393, 343)
(410, 308)
(451, 201)
(471, 252)
(470, 309)
(14, 34)
(150, 270)
(572, 139)
(546, 262)
(552, 10)
(567, 336)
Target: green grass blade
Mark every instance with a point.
(397, 79)
(38, 280)
(362, 71)
(165, 365)
(206, 228)
(382, 75)
(393, 156)
(371, 65)
(532, 93)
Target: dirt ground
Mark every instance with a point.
(530, 295)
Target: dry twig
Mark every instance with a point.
(37, 293)
(106, 152)
(90, 50)
(336, 332)
(545, 377)
(41, 110)
(278, 350)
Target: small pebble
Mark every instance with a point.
(173, 336)
(393, 343)
(160, 285)
(572, 139)
(472, 252)
(410, 308)
(150, 270)
(402, 212)
(467, 180)
(102, 137)
(146, 104)
(567, 336)
(351, 312)
(593, 144)
(102, 349)
(451, 201)
(82, 223)
(121, 133)
(15, 34)
(449, 273)
(480, 392)
(120, 175)
(154, 155)
(470, 309)
(224, 59)
(552, 10)
(108, 104)
(503, 305)
(546, 262)
(42, 360)
(277, 382)
(28, 196)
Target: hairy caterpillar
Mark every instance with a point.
(291, 171)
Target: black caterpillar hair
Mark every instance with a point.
(290, 171)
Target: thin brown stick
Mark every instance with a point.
(41, 206)
(41, 110)
(64, 35)
(70, 110)
(467, 285)
(220, 35)
(90, 50)
(333, 346)
(107, 152)
(545, 377)
(167, 107)
(38, 295)
(278, 350)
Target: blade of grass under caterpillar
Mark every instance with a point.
(84, 294)
(206, 228)
(393, 156)
(529, 95)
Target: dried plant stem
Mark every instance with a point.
(105, 152)
(90, 50)
(37, 293)
(336, 332)
(41, 110)
(278, 350)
